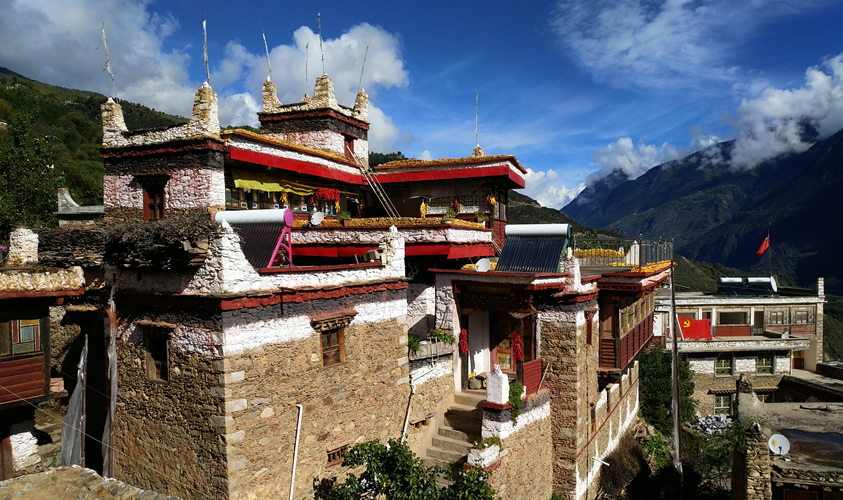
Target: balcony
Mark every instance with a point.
(621, 255)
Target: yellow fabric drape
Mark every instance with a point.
(266, 182)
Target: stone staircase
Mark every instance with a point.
(456, 434)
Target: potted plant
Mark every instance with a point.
(345, 218)
(480, 216)
(449, 215)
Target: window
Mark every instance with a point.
(777, 318)
(801, 317)
(335, 457)
(733, 318)
(766, 397)
(19, 336)
(348, 146)
(153, 196)
(764, 365)
(589, 319)
(333, 347)
(722, 404)
(157, 354)
(723, 366)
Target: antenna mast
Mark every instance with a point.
(476, 115)
(306, 57)
(107, 66)
(266, 47)
(319, 22)
(360, 85)
(205, 47)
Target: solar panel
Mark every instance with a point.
(258, 241)
(531, 254)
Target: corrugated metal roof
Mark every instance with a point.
(258, 241)
(531, 254)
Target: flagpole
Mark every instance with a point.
(769, 253)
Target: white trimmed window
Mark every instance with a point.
(723, 365)
(722, 404)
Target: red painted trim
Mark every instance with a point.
(166, 148)
(496, 406)
(317, 113)
(452, 173)
(304, 296)
(332, 251)
(298, 166)
(311, 269)
(495, 273)
(573, 299)
(32, 295)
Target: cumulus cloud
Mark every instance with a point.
(425, 155)
(630, 158)
(61, 37)
(539, 187)
(782, 121)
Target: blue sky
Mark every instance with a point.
(574, 89)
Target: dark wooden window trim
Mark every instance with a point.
(335, 456)
(157, 344)
(154, 197)
(332, 337)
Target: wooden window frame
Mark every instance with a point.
(154, 197)
(157, 370)
(13, 333)
(778, 317)
(328, 351)
(336, 456)
(718, 370)
(767, 369)
(348, 146)
(798, 316)
(719, 398)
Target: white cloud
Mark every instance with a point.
(60, 38)
(781, 121)
(661, 43)
(425, 155)
(539, 188)
(632, 159)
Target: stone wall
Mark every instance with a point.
(434, 381)
(525, 471)
(362, 399)
(751, 468)
(421, 308)
(167, 433)
(196, 181)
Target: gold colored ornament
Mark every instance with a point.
(422, 209)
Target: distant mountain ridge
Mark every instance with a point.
(716, 213)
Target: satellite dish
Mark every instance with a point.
(316, 218)
(483, 265)
(778, 444)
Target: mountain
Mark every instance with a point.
(522, 209)
(71, 121)
(717, 213)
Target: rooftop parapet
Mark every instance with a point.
(204, 123)
(324, 97)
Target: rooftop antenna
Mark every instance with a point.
(306, 56)
(360, 85)
(319, 22)
(107, 66)
(476, 115)
(205, 47)
(266, 47)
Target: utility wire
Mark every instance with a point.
(179, 480)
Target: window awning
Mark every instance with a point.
(266, 182)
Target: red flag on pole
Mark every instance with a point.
(764, 246)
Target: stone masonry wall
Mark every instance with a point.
(166, 433)
(572, 379)
(196, 182)
(434, 382)
(526, 470)
(362, 399)
(751, 468)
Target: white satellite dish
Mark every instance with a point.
(483, 265)
(316, 218)
(778, 444)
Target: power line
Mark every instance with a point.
(113, 449)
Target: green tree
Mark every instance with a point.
(394, 471)
(29, 181)
(656, 389)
